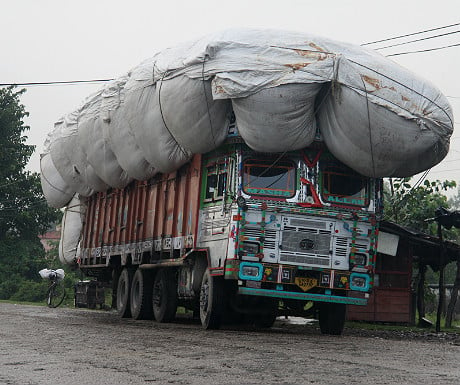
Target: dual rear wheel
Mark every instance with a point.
(141, 295)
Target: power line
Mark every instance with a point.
(70, 82)
(416, 40)
(423, 50)
(54, 83)
(411, 34)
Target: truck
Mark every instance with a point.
(236, 235)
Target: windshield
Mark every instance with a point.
(269, 178)
(340, 184)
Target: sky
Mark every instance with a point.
(60, 40)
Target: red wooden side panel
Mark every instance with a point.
(166, 206)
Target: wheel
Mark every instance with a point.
(123, 293)
(164, 296)
(264, 321)
(141, 295)
(115, 278)
(267, 318)
(55, 294)
(332, 318)
(211, 301)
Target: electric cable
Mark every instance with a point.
(52, 83)
(423, 50)
(411, 34)
(417, 40)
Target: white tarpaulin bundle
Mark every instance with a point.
(373, 115)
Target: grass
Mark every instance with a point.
(406, 328)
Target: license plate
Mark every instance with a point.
(306, 283)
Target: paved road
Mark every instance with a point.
(78, 346)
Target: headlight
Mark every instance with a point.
(360, 259)
(251, 271)
(359, 282)
(251, 247)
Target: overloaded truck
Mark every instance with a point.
(239, 176)
(238, 231)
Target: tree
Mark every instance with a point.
(24, 214)
(411, 205)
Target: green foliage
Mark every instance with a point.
(23, 211)
(413, 206)
(29, 291)
(24, 214)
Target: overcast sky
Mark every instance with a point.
(59, 40)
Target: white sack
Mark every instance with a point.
(71, 230)
(56, 191)
(47, 273)
(374, 141)
(188, 109)
(285, 118)
(84, 139)
(101, 157)
(150, 133)
(68, 157)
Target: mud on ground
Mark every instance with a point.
(79, 346)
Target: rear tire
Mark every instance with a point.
(332, 318)
(124, 293)
(164, 296)
(211, 301)
(141, 295)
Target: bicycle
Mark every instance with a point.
(56, 291)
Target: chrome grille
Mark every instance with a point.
(304, 259)
(307, 223)
(270, 236)
(305, 242)
(270, 239)
(320, 243)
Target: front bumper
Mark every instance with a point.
(301, 296)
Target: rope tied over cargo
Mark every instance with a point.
(371, 147)
(206, 56)
(186, 155)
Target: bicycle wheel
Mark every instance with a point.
(55, 294)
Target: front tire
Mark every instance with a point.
(332, 318)
(141, 295)
(124, 293)
(211, 301)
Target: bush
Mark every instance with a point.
(30, 291)
(9, 287)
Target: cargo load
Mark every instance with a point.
(284, 88)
